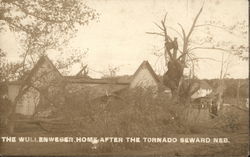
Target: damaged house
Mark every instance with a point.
(45, 86)
(204, 90)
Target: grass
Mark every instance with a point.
(138, 114)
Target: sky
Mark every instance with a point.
(119, 38)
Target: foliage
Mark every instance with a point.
(9, 71)
(42, 25)
(2, 62)
(133, 113)
(231, 119)
(231, 86)
(128, 114)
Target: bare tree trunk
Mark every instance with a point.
(11, 117)
(173, 78)
(221, 85)
(238, 92)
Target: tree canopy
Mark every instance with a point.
(40, 25)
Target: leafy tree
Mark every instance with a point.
(2, 61)
(41, 25)
(8, 71)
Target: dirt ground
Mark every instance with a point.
(238, 145)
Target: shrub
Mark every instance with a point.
(134, 113)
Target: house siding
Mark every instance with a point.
(26, 105)
(45, 76)
(13, 91)
(143, 79)
(45, 80)
(46, 86)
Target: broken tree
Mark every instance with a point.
(175, 59)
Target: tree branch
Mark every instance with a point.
(155, 33)
(215, 26)
(194, 22)
(176, 31)
(183, 31)
(26, 54)
(159, 26)
(34, 15)
(164, 20)
(211, 48)
(166, 39)
(207, 58)
(22, 28)
(182, 55)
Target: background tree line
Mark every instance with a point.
(233, 87)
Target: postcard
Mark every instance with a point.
(124, 78)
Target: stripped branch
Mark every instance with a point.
(155, 33)
(205, 58)
(176, 31)
(183, 31)
(159, 26)
(164, 20)
(210, 48)
(194, 23)
(219, 27)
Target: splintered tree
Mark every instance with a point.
(180, 54)
(175, 57)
